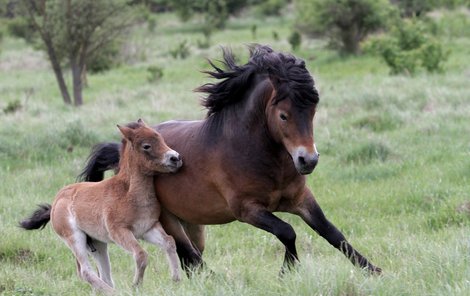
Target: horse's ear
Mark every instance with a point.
(128, 133)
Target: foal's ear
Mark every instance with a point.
(128, 133)
(141, 121)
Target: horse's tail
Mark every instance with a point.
(103, 157)
(38, 219)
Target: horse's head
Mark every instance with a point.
(291, 125)
(278, 84)
(148, 150)
(291, 107)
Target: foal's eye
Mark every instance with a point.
(146, 146)
(283, 117)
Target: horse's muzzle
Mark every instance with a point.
(305, 162)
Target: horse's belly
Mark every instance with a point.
(192, 203)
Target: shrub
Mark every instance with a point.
(75, 134)
(104, 59)
(19, 27)
(275, 36)
(12, 106)
(271, 7)
(295, 39)
(346, 22)
(151, 23)
(408, 47)
(181, 50)
(155, 73)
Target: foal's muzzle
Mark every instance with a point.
(173, 160)
(304, 161)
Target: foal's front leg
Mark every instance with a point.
(159, 237)
(126, 239)
(313, 215)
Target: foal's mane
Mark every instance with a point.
(288, 74)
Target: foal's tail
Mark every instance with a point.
(38, 219)
(103, 157)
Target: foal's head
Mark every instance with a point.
(146, 149)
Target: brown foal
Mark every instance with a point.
(120, 209)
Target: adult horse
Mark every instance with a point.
(247, 159)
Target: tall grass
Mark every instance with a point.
(393, 176)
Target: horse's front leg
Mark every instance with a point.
(309, 210)
(190, 257)
(260, 217)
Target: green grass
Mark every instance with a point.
(393, 176)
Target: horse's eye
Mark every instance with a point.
(283, 117)
(146, 146)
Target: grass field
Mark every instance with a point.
(394, 174)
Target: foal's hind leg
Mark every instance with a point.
(313, 215)
(77, 243)
(102, 259)
(158, 236)
(126, 239)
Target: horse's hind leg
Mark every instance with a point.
(313, 215)
(158, 236)
(102, 259)
(263, 219)
(126, 239)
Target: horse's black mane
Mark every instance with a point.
(288, 74)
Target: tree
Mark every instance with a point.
(345, 22)
(73, 31)
(216, 12)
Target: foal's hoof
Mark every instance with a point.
(176, 278)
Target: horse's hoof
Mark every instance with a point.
(374, 270)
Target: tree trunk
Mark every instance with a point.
(57, 69)
(350, 38)
(84, 77)
(77, 81)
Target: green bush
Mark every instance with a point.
(75, 134)
(19, 27)
(295, 39)
(104, 59)
(271, 7)
(345, 22)
(12, 106)
(155, 73)
(408, 47)
(181, 50)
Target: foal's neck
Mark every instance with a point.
(139, 182)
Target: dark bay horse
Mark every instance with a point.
(246, 160)
(120, 209)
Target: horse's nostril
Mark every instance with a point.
(301, 160)
(175, 158)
